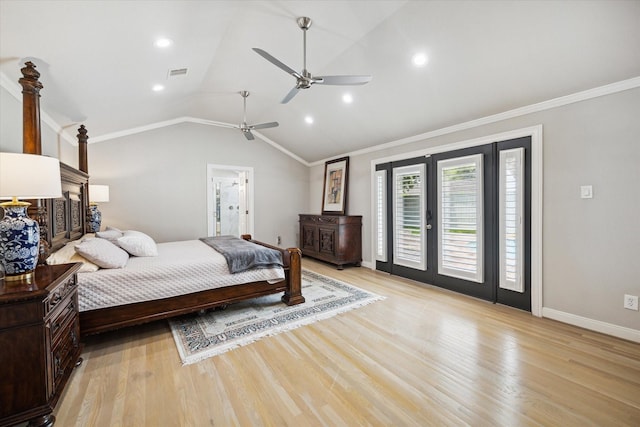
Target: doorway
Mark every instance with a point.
(460, 220)
(229, 200)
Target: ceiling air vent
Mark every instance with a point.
(177, 72)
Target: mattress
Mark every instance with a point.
(180, 268)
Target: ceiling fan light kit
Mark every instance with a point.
(304, 79)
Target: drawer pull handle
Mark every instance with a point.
(58, 365)
(56, 299)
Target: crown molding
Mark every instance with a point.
(517, 112)
(187, 119)
(14, 90)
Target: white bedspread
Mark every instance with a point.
(180, 268)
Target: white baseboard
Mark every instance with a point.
(593, 325)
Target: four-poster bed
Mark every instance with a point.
(64, 220)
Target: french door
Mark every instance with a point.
(460, 220)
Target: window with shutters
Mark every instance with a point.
(409, 248)
(460, 218)
(510, 219)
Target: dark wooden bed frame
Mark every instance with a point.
(65, 219)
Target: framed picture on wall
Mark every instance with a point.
(334, 194)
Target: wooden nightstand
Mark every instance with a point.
(39, 343)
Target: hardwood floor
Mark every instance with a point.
(421, 357)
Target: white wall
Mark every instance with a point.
(11, 131)
(10, 123)
(591, 247)
(157, 181)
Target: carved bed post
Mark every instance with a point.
(82, 136)
(293, 293)
(83, 165)
(32, 144)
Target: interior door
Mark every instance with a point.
(229, 200)
(228, 206)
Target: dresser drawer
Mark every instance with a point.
(64, 352)
(59, 294)
(62, 318)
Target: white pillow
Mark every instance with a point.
(68, 254)
(111, 235)
(138, 244)
(103, 253)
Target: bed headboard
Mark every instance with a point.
(67, 214)
(65, 218)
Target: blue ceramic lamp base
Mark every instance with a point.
(95, 218)
(19, 241)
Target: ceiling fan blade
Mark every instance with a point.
(276, 62)
(293, 92)
(265, 125)
(248, 135)
(342, 80)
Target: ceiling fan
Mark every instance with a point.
(304, 79)
(244, 127)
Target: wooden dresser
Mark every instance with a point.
(333, 238)
(39, 343)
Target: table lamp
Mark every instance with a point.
(23, 176)
(97, 194)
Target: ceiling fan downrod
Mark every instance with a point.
(244, 94)
(304, 23)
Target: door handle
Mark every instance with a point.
(428, 226)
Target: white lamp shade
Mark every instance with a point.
(29, 176)
(98, 193)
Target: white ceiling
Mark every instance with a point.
(98, 62)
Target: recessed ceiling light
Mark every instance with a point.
(419, 59)
(163, 42)
(347, 98)
(308, 120)
(157, 88)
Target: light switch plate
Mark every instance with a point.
(586, 192)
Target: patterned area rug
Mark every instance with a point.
(200, 336)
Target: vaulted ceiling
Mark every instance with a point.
(99, 63)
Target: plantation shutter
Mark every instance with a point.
(381, 215)
(511, 197)
(409, 248)
(460, 218)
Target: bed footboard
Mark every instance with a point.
(106, 319)
(292, 260)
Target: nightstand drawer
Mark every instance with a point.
(61, 320)
(64, 352)
(58, 295)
